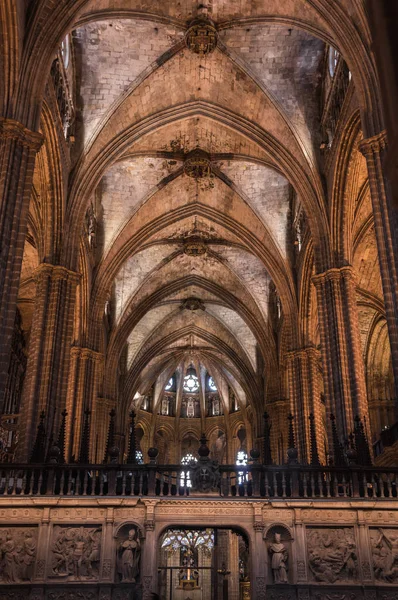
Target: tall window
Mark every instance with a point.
(170, 384)
(241, 461)
(333, 60)
(212, 384)
(65, 51)
(185, 478)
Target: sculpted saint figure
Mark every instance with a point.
(28, 558)
(130, 557)
(9, 556)
(279, 558)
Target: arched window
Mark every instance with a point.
(185, 478)
(212, 384)
(170, 384)
(65, 51)
(334, 56)
(191, 383)
(241, 461)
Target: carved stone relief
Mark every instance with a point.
(128, 554)
(75, 553)
(332, 555)
(337, 596)
(384, 544)
(72, 595)
(18, 546)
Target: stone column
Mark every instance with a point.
(49, 352)
(149, 557)
(259, 563)
(305, 398)
(343, 367)
(82, 390)
(386, 229)
(233, 566)
(18, 149)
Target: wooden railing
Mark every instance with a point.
(253, 481)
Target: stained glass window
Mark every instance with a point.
(177, 539)
(185, 478)
(191, 383)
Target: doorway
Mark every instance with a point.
(204, 564)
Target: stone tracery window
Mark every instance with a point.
(191, 383)
(175, 539)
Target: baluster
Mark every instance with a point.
(319, 484)
(62, 483)
(40, 482)
(124, 475)
(70, 483)
(345, 485)
(283, 484)
(381, 485)
(7, 482)
(85, 483)
(365, 485)
(374, 485)
(24, 482)
(328, 482)
(305, 485)
(275, 485)
(101, 482)
(389, 487)
(14, 483)
(266, 484)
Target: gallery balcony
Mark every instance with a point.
(202, 479)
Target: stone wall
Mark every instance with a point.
(73, 548)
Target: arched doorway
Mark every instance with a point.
(203, 563)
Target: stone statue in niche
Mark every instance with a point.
(129, 557)
(76, 553)
(385, 554)
(332, 555)
(279, 559)
(17, 554)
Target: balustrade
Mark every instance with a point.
(252, 481)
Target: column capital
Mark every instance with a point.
(10, 129)
(305, 352)
(56, 272)
(86, 353)
(376, 143)
(334, 274)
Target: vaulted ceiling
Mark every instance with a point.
(198, 267)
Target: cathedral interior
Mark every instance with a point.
(198, 300)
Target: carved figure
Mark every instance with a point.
(385, 555)
(129, 563)
(17, 554)
(332, 555)
(76, 553)
(28, 556)
(279, 558)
